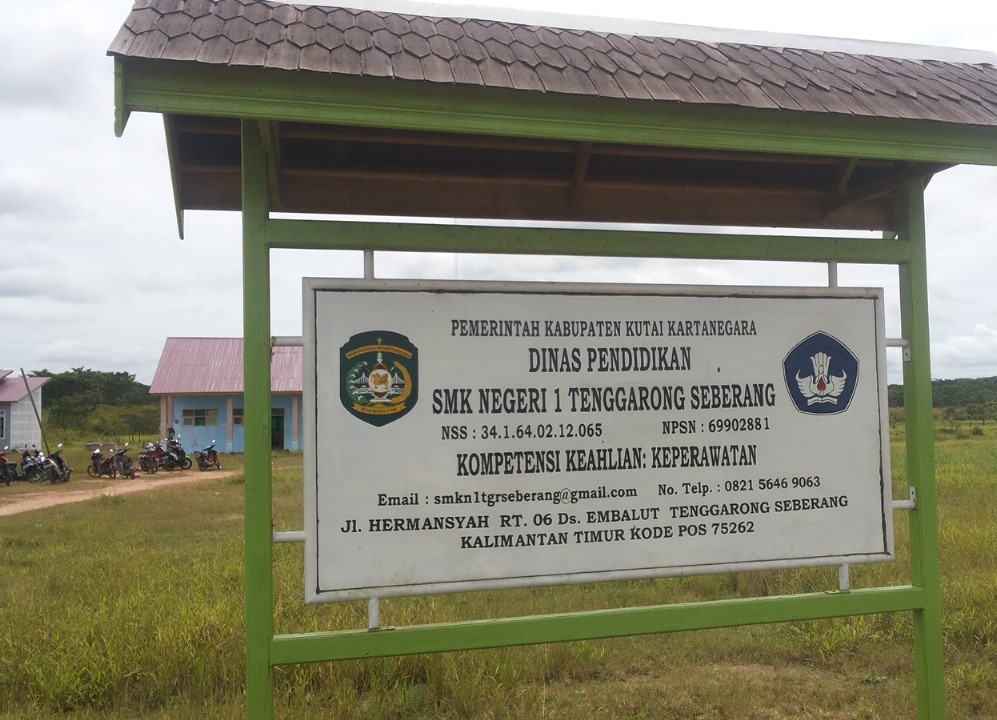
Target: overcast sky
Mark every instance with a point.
(94, 275)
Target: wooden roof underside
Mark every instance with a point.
(384, 114)
(335, 169)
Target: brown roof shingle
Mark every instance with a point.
(545, 59)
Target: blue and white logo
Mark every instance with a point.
(821, 375)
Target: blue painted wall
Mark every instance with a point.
(200, 436)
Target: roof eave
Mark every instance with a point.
(170, 87)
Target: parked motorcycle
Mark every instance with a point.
(124, 464)
(173, 457)
(207, 457)
(55, 468)
(100, 465)
(147, 459)
(178, 455)
(163, 458)
(8, 470)
(32, 464)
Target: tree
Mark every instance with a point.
(71, 400)
(953, 393)
(95, 387)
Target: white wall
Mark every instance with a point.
(24, 428)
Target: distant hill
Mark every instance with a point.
(954, 393)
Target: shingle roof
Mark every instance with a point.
(486, 53)
(214, 365)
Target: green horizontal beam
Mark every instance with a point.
(267, 94)
(416, 237)
(508, 632)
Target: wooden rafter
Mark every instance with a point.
(883, 186)
(844, 176)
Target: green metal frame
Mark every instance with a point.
(922, 597)
(259, 96)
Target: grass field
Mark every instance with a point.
(131, 607)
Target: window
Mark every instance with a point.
(200, 418)
(237, 416)
(3, 423)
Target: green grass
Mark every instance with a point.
(131, 607)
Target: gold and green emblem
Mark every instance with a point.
(378, 376)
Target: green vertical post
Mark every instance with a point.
(929, 665)
(256, 359)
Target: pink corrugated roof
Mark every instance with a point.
(214, 365)
(285, 370)
(12, 388)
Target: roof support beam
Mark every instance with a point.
(449, 140)
(919, 171)
(290, 234)
(844, 177)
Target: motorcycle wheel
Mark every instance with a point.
(91, 472)
(34, 475)
(186, 463)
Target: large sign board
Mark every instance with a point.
(480, 435)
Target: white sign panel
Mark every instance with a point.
(469, 436)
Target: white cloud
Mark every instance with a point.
(94, 274)
(952, 356)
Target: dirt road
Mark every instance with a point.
(12, 504)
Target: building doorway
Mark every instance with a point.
(277, 428)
